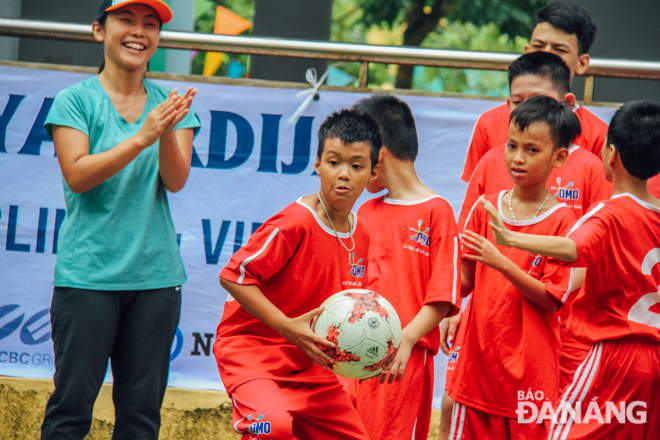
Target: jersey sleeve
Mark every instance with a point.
(476, 188)
(445, 281)
(558, 278)
(68, 110)
(474, 223)
(267, 251)
(476, 150)
(590, 237)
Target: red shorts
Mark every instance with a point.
(265, 409)
(573, 353)
(472, 424)
(617, 392)
(400, 410)
(454, 354)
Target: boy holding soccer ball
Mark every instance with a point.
(414, 263)
(269, 359)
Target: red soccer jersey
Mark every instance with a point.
(509, 344)
(579, 183)
(414, 259)
(297, 263)
(653, 186)
(618, 242)
(492, 130)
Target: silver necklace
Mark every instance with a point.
(537, 212)
(350, 232)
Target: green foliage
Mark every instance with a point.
(467, 36)
(512, 17)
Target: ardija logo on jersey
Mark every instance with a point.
(252, 428)
(566, 193)
(421, 237)
(357, 270)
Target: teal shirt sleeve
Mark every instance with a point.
(68, 110)
(189, 121)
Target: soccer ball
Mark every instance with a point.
(365, 329)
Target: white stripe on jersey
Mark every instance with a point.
(252, 257)
(585, 217)
(454, 293)
(467, 219)
(570, 286)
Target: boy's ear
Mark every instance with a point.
(561, 155)
(508, 103)
(526, 48)
(583, 64)
(317, 164)
(381, 154)
(569, 100)
(374, 173)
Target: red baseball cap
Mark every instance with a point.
(161, 8)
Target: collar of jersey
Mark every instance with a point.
(577, 106)
(572, 149)
(639, 201)
(531, 221)
(408, 202)
(328, 230)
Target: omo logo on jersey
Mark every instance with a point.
(253, 428)
(421, 237)
(357, 270)
(566, 193)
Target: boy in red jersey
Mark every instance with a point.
(615, 393)
(414, 263)
(511, 341)
(567, 31)
(269, 359)
(580, 182)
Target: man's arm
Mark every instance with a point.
(295, 330)
(561, 248)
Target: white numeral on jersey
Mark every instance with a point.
(640, 310)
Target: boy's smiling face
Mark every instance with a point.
(547, 38)
(530, 154)
(345, 171)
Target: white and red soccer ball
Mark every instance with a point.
(365, 329)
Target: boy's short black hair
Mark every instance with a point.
(544, 65)
(350, 126)
(635, 132)
(396, 119)
(564, 125)
(572, 19)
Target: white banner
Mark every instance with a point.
(248, 164)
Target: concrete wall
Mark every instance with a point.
(627, 30)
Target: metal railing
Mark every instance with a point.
(362, 53)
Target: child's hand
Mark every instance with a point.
(483, 250)
(448, 328)
(398, 366)
(298, 332)
(496, 224)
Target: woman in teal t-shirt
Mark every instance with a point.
(122, 142)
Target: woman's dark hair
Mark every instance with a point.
(635, 132)
(564, 125)
(101, 19)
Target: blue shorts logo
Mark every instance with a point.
(421, 237)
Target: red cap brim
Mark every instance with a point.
(161, 8)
